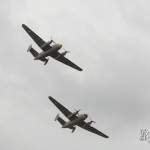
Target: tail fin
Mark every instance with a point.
(60, 120)
(32, 51)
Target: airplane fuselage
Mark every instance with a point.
(44, 54)
(75, 121)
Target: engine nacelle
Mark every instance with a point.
(74, 113)
(62, 54)
(89, 123)
(46, 44)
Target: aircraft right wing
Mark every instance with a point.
(57, 56)
(69, 63)
(88, 127)
(64, 110)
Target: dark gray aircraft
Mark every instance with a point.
(74, 119)
(49, 48)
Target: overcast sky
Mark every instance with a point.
(109, 39)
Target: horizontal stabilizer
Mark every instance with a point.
(60, 120)
(57, 117)
(32, 51)
(29, 48)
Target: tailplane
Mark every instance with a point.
(32, 51)
(60, 120)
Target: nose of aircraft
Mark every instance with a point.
(86, 115)
(60, 45)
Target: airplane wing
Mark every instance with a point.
(64, 110)
(57, 56)
(88, 127)
(39, 41)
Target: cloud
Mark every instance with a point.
(108, 39)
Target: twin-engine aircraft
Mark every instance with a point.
(75, 119)
(49, 48)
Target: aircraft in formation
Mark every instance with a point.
(49, 48)
(52, 48)
(75, 119)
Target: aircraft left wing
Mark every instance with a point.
(39, 41)
(88, 127)
(64, 110)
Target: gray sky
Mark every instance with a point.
(109, 39)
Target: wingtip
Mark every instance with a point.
(23, 25)
(51, 98)
(107, 137)
(80, 69)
